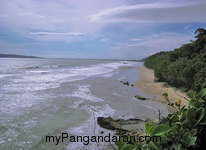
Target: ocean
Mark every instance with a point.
(40, 97)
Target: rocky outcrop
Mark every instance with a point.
(121, 124)
(140, 97)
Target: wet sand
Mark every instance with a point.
(147, 85)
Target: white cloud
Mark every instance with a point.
(104, 40)
(44, 22)
(59, 36)
(154, 13)
(135, 39)
(58, 33)
(55, 17)
(152, 44)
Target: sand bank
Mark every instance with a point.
(147, 85)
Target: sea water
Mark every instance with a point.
(40, 97)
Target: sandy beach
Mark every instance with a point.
(147, 85)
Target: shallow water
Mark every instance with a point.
(40, 97)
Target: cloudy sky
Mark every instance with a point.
(119, 29)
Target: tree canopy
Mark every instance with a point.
(184, 67)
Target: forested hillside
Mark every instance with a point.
(185, 129)
(184, 67)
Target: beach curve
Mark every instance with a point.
(148, 85)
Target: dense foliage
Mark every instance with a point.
(184, 67)
(182, 130)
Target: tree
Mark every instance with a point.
(200, 32)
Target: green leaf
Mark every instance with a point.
(192, 94)
(177, 123)
(165, 95)
(202, 93)
(130, 147)
(189, 139)
(161, 130)
(145, 147)
(200, 100)
(153, 146)
(200, 114)
(194, 115)
(186, 124)
(190, 115)
(166, 139)
(194, 132)
(121, 145)
(174, 117)
(186, 130)
(177, 146)
(149, 126)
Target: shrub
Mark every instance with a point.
(181, 130)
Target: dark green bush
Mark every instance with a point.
(182, 130)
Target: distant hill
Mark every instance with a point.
(16, 56)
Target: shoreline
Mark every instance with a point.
(147, 85)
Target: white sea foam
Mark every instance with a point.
(45, 91)
(41, 79)
(5, 75)
(84, 93)
(90, 127)
(108, 75)
(77, 104)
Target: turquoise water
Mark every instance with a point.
(40, 97)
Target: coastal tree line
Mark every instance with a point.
(185, 129)
(184, 67)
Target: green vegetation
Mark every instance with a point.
(185, 129)
(143, 60)
(140, 97)
(184, 67)
(182, 130)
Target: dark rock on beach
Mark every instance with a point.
(120, 124)
(108, 123)
(140, 97)
(125, 83)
